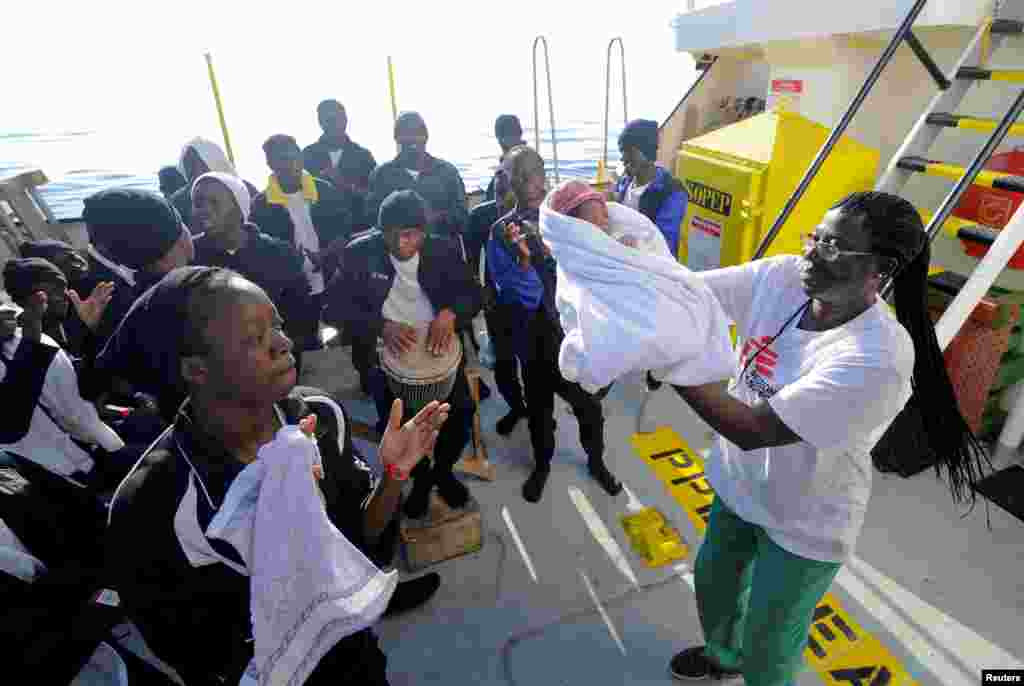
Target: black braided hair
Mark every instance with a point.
(931, 424)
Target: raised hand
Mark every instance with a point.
(91, 311)
(405, 445)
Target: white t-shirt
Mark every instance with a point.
(406, 302)
(838, 390)
(306, 238)
(633, 194)
(335, 155)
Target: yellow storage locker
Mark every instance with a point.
(740, 176)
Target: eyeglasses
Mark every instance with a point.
(828, 251)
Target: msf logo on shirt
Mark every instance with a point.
(762, 369)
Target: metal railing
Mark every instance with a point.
(607, 92)
(898, 38)
(551, 103)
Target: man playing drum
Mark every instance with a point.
(413, 291)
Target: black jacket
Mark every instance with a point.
(355, 167)
(271, 264)
(198, 619)
(356, 296)
(440, 184)
(331, 215)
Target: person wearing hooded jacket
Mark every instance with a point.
(647, 187)
(198, 157)
(136, 237)
(230, 240)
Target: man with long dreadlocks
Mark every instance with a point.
(824, 370)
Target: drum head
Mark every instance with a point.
(420, 366)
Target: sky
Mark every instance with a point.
(136, 69)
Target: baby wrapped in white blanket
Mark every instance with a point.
(631, 309)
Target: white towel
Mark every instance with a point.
(310, 586)
(627, 310)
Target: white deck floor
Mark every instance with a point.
(943, 595)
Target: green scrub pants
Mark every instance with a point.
(755, 600)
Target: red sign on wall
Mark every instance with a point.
(787, 86)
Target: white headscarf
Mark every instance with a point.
(210, 153)
(233, 184)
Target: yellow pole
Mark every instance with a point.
(220, 108)
(391, 84)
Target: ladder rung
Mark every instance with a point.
(1007, 26)
(980, 124)
(952, 224)
(978, 234)
(991, 179)
(979, 74)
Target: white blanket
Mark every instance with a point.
(310, 586)
(629, 310)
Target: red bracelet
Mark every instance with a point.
(396, 473)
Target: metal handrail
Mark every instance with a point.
(901, 33)
(607, 91)
(965, 181)
(551, 103)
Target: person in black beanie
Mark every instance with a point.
(72, 327)
(143, 233)
(647, 187)
(63, 256)
(398, 277)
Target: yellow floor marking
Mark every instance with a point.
(838, 649)
(954, 653)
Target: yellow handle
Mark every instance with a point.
(391, 85)
(220, 108)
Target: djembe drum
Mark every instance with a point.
(419, 377)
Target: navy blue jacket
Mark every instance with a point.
(522, 292)
(664, 203)
(271, 264)
(440, 184)
(331, 215)
(355, 297)
(355, 166)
